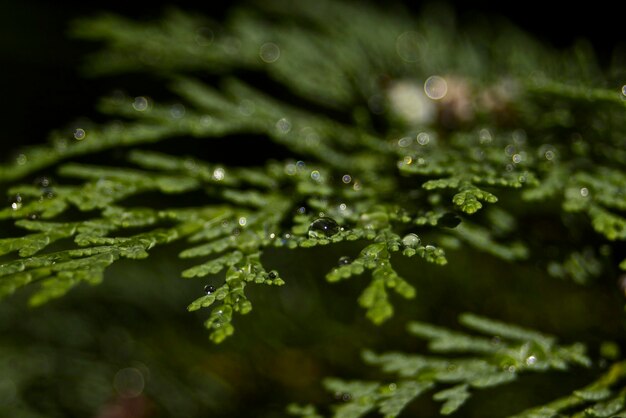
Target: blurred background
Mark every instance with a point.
(128, 348)
(39, 65)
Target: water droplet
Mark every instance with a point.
(509, 150)
(315, 175)
(33, 216)
(218, 174)
(290, 169)
(283, 125)
(405, 142)
(407, 160)
(549, 155)
(519, 136)
(392, 386)
(140, 104)
(411, 240)
(177, 111)
(485, 136)
(584, 192)
(269, 52)
(80, 134)
(246, 107)
(516, 158)
(449, 220)
(206, 120)
(16, 202)
(21, 159)
(435, 87)
(48, 192)
(129, 382)
(243, 221)
(208, 289)
(408, 46)
(346, 178)
(272, 274)
(624, 90)
(42, 181)
(343, 206)
(323, 227)
(423, 138)
(530, 360)
(345, 260)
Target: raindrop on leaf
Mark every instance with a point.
(323, 227)
(345, 260)
(411, 240)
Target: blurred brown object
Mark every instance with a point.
(137, 407)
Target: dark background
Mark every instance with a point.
(41, 88)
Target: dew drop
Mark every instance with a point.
(323, 227)
(449, 220)
(344, 261)
(21, 159)
(80, 134)
(530, 360)
(140, 104)
(346, 178)
(485, 136)
(409, 45)
(16, 202)
(405, 141)
(218, 174)
(33, 216)
(423, 138)
(206, 120)
(177, 111)
(129, 382)
(42, 181)
(435, 87)
(624, 90)
(411, 240)
(269, 52)
(272, 274)
(584, 192)
(208, 289)
(283, 125)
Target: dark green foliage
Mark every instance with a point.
(429, 141)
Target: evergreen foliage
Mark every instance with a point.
(406, 137)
